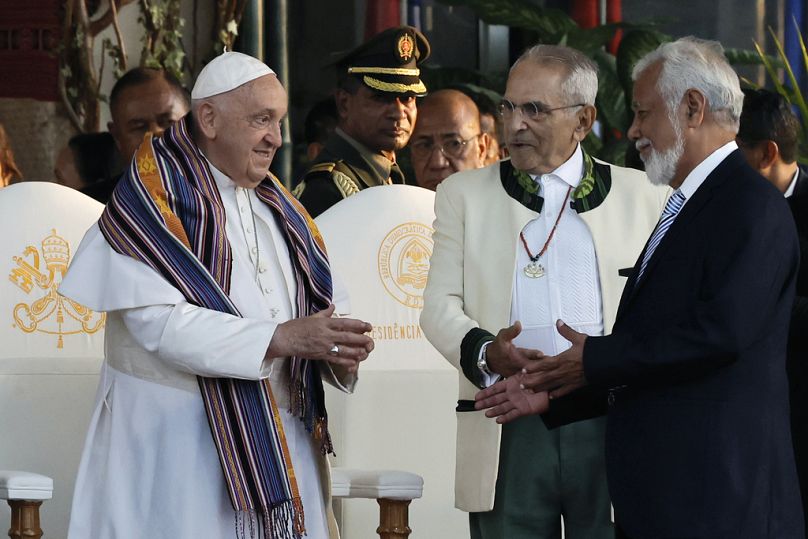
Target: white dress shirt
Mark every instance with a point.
(793, 184)
(697, 176)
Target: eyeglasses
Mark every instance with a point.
(450, 147)
(531, 110)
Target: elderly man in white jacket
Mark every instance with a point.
(519, 245)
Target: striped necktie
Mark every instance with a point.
(675, 203)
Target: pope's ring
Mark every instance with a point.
(334, 350)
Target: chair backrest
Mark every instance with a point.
(402, 415)
(50, 348)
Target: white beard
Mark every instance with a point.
(661, 166)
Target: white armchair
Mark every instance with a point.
(392, 489)
(24, 492)
(50, 355)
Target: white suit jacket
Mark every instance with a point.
(471, 279)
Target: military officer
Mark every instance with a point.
(377, 84)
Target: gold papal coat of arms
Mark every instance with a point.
(39, 273)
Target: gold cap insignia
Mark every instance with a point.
(405, 47)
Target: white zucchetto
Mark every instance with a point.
(227, 72)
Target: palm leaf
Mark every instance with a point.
(611, 100)
(804, 59)
(802, 44)
(633, 46)
(771, 70)
(747, 57)
(804, 118)
(589, 40)
(800, 100)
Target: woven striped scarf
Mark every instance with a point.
(166, 212)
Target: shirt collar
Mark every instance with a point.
(793, 184)
(223, 181)
(381, 165)
(697, 176)
(570, 171)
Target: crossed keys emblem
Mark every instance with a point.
(52, 313)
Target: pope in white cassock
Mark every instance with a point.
(210, 418)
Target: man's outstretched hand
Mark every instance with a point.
(529, 390)
(508, 400)
(506, 359)
(561, 374)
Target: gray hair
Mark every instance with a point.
(692, 63)
(581, 83)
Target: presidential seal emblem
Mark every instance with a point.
(405, 47)
(51, 313)
(404, 262)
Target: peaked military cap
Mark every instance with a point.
(388, 62)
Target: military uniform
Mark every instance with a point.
(386, 64)
(342, 169)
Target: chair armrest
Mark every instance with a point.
(16, 485)
(375, 484)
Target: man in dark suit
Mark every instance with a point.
(698, 442)
(768, 136)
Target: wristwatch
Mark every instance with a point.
(482, 361)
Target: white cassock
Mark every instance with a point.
(150, 467)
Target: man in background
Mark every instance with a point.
(447, 137)
(143, 100)
(319, 125)
(377, 84)
(768, 137)
(491, 124)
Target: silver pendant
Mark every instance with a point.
(534, 270)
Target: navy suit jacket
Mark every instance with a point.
(797, 364)
(698, 441)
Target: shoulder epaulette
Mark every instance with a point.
(298, 190)
(326, 167)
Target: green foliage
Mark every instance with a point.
(162, 40)
(749, 57)
(550, 22)
(553, 26)
(226, 37)
(633, 46)
(436, 77)
(116, 55)
(792, 91)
